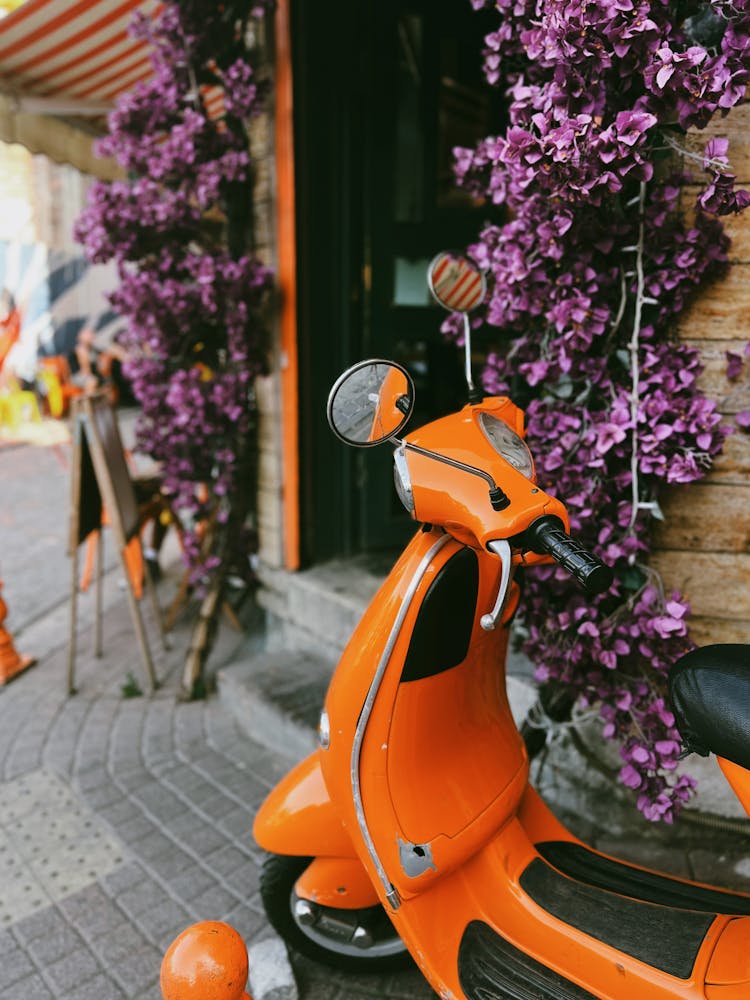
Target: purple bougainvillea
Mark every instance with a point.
(591, 264)
(192, 296)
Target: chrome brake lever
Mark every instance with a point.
(502, 549)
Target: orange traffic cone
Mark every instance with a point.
(207, 960)
(11, 662)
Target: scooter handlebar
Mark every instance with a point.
(547, 536)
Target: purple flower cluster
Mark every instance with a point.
(589, 265)
(195, 335)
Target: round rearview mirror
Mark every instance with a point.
(456, 283)
(370, 403)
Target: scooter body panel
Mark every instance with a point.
(453, 725)
(298, 817)
(739, 778)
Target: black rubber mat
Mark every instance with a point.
(586, 866)
(665, 937)
(490, 968)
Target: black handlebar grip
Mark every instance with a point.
(547, 536)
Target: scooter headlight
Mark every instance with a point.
(507, 443)
(402, 479)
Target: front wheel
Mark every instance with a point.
(357, 940)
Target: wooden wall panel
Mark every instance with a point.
(717, 584)
(706, 517)
(709, 630)
(734, 127)
(722, 310)
(733, 396)
(733, 465)
(703, 546)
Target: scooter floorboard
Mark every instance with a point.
(584, 865)
(656, 919)
(667, 938)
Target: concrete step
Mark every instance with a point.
(318, 609)
(276, 697)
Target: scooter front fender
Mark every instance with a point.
(298, 817)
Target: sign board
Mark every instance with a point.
(100, 472)
(100, 478)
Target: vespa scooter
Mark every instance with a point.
(413, 829)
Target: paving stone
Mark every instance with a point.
(153, 993)
(92, 912)
(30, 988)
(202, 839)
(218, 805)
(214, 902)
(139, 970)
(141, 897)
(159, 802)
(165, 919)
(244, 880)
(135, 829)
(104, 795)
(238, 823)
(227, 860)
(188, 782)
(45, 923)
(123, 877)
(74, 968)
(720, 869)
(171, 864)
(129, 777)
(152, 845)
(247, 922)
(93, 776)
(100, 987)
(114, 947)
(50, 947)
(14, 966)
(192, 881)
(120, 812)
(7, 941)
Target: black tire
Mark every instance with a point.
(387, 953)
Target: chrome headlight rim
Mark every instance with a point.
(402, 479)
(507, 443)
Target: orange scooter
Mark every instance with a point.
(413, 828)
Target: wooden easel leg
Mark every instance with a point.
(98, 592)
(153, 597)
(135, 612)
(73, 621)
(178, 603)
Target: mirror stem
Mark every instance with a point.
(475, 395)
(467, 353)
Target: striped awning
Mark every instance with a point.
(74, 58)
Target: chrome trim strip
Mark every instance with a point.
(364, 717)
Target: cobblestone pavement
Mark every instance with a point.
(123, 820)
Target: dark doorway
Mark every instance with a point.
(384, 89)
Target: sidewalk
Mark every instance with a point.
(124, 820)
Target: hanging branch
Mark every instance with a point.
(615, 409)
(195, 333)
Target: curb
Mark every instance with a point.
(270, 972)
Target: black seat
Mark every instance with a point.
(710, 693)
